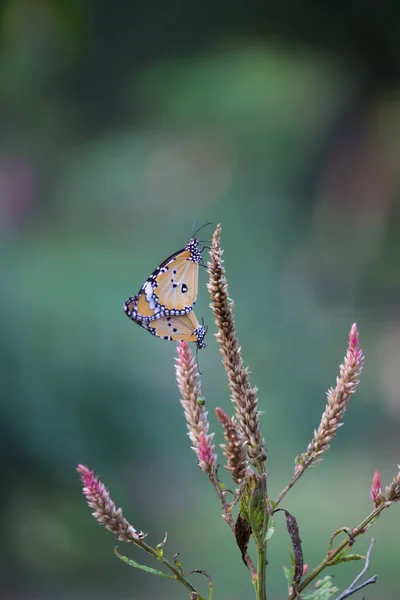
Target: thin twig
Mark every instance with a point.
(353, 588)
(349, 592)
(300, 471)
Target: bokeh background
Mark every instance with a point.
(120, 124)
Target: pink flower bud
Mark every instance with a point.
(376, 490)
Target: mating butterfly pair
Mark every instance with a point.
(164, 304)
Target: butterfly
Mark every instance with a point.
(171, 290)
(177, 328)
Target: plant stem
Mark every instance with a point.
(261, 572)
(291, 483)
(177, 574)
(328, 560)
(261, 592)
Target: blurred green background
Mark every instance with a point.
(121, 123)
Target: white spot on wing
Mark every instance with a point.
(148, 290)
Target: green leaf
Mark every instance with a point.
(178, 564)
(346, 558)
(270, 529)
(160, 547)
(323, 590)
(252, 507)
(132, 563)
(288, 575)
(160, 553)
(210, 583)
(346, 530)
(291, 556)
(270, 532)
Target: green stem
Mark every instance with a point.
(261, 573)
(347, 543)
(261, 592)
(291, 483)
(177, 574)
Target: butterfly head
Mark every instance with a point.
(200, 334)
(193, 247)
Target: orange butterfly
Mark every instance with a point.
(177, 328)
(171, 290)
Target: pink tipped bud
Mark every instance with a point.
(305, 569)
(338, 398)
(105, 511)
(376, 490)
(353, 335)
(205, 454)
(195, 410)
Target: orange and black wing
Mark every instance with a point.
(176, 286)
(139, 309)
(171, 289)
(181, 328)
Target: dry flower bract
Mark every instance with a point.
(234, 449)
(393, 490)
(243, 395)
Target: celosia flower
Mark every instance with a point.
(234, 450)
(376, 490)
(338, 399)
(393, 490)
(105, 512)
(244, 396)
(194, 407)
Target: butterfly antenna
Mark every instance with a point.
(200, 228)
(194, 223)
(204, 326)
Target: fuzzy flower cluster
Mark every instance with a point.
(244, 396)
(393, 490)
(376, 490)
(337, 400)
(234, 449)
(105, 512)
(193, 405)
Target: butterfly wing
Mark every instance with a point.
(172, 288)
(176, 286)
(181, 328)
